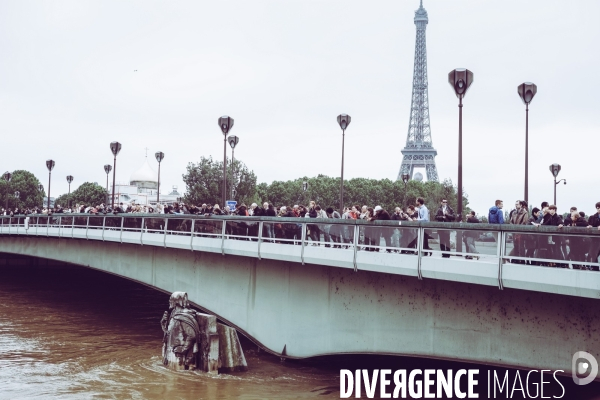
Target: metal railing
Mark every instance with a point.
(389, 243)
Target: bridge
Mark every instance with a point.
(285, 285)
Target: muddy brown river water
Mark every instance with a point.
(73, 333)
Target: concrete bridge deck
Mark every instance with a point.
(310, 299)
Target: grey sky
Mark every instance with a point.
(284, 70)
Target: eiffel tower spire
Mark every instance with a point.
(419, 151)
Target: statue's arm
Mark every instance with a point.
(164, 322)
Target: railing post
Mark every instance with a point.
(192, 235)
(165, 232)
(59, 225)
(47, 225)
(501, 245)
(103, 226)
(420, 237)
(356, 234)
(260, 231)
(121, 234)
(223, 237)
(142, 232)
(87, 226)
(72, 226)
(302, 239)
(9, 224)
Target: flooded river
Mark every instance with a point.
(70, 332)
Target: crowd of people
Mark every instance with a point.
(525, 246)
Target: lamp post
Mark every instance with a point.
(115, 148)
(343, 120)
(233, 141)
(555, 169)
(460, 79)
(7, 177)
(159, 157)
(50, 166)
(527, 91)
(107, 169)
(225, 123)
(69, 179)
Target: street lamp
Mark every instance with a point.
(69, 179)
(159, 157)
(527, 91)
(555, 169)
(7, 177)
(460, 79)
(233, 141)
(50, 166)
(17, 194)
(107, 169)
(226, 124)
(304, 186)
(405, 179)
(115, 148)
(343, 120)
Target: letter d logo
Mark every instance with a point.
(584, 363)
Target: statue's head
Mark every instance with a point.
(179, 299)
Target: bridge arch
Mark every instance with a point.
(313, 310)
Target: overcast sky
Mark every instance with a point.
(284, 70)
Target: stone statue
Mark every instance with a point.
(181, 333)
(193, 340)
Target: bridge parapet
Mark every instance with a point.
(544, 259)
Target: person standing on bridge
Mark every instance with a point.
(552, 218)
(594, 222)
(423, 215)
(469, 237)
(383, 215)
(444, 214)
(496, 215)
(520, 216)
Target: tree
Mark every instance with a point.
(204, 182)
(360, 191)
(87, 193)
(27, 185)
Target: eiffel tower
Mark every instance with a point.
(419, 152)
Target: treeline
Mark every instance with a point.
(204, 185)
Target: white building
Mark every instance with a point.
(142, 188)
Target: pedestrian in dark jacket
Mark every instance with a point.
(444, 214)
(383, 215)
(577, 244)
(569, 218)
(594, 222)
(530, 239)
(551, 218)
